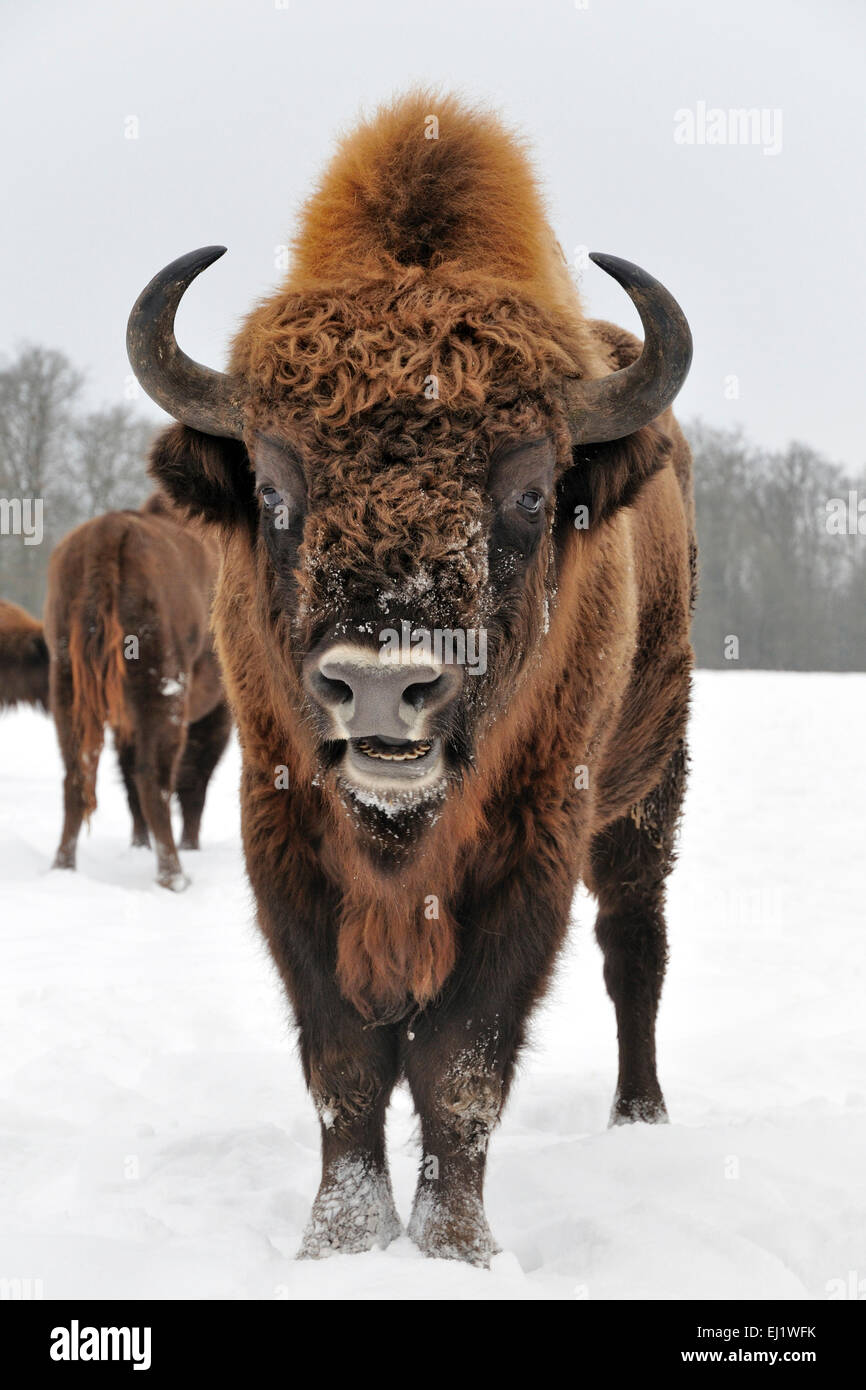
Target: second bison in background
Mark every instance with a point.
(127, 626)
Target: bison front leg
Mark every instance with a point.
(351, 1072)
(459, 1054)
(457, 1085)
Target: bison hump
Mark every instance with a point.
(427, 180)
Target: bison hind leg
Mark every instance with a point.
(126, 760)
(76, 805)
(79, 782)
(205, 744)
(630, 861)
(158, 746)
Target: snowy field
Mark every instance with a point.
(156, 1139)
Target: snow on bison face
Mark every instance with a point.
(416, 575)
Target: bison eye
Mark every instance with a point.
(271, 498)
(530, 502)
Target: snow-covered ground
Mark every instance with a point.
(156, 1139)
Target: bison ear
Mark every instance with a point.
(604, 477)
(208, 477)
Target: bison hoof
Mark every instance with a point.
(449, 1230)
(635, 1110)
(173, 879)
(353, 1212)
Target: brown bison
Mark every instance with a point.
(23, 659)
(423, 449)
(127, 626)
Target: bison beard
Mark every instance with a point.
(422, 427)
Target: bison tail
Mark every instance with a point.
(97, 669)
(23, 659)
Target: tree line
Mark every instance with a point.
(782, 554)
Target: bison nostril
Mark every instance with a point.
(330, 692)
(421, 693)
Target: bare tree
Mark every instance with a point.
(107, 463)
(38, 391)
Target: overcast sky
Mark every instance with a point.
(237, 103)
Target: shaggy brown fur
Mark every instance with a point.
(23, 659)
(408, 372)
(127, 626)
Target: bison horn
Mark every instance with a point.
(616, 405)
(207, 400)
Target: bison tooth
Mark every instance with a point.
(418, 750)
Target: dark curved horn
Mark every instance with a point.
(208, 401)
(618, 404)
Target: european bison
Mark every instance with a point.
(23, 659)
(127, 626)
(423, 447)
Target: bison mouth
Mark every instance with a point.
(404, 764)
(392, 750)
